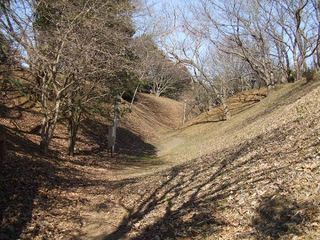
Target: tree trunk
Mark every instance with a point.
(298, 67)
(157, 94)
(298, 72)
(134, 96)
(316, 59)
(288, 68)
(73, 131)
(47, 130)
(269, 81)
(3, 145)
(48, 127)
(226, 110)
(317, 53)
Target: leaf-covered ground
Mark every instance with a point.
(264, 185)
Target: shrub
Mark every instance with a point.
(311, 75)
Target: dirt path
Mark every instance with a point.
(254, 177)
(265, 187)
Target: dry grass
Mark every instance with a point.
(259, 181)
(206, 134)
(152, 116)
(216, 180)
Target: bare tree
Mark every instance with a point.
(157, 71)
(69, 50)
(42, 62)
(103, 63)
(295, 26)
(316, 55)
(203, 68)
(239, 31)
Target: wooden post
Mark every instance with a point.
(184, 112)
(111, 139)
(112, 131)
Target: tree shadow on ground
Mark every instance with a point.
(287, 98)
(26, 178)
(244, 107)
(218, 116)
(16, 111)
(131, 144)
(187, 198)
(19, 143)
(21, 174)
(127, 143)
(9, 113)
(131, 150)
(20, 178)
(4, 111)
(279, 216)
(185, 202)
(204, 122)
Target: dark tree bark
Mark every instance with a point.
(73, 127)
(3, 145)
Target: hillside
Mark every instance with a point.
(259, 180)
(253, 177)
(152, 116)
(250, 119)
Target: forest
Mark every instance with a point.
(144, 119)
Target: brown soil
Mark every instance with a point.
(255, 177)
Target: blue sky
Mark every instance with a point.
(163, 21)
(158, 10)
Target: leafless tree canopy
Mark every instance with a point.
(77, 53)
(232, 45)
(159, 74)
